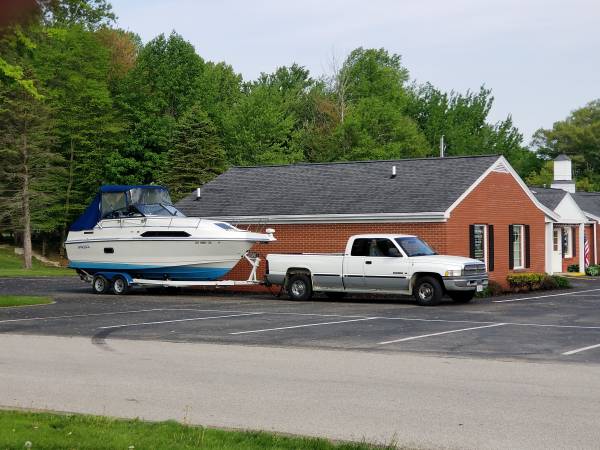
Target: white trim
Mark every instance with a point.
(581, 247)
(336, 218)
(522, 249)
(502, 163)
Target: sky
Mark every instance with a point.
(539, 57)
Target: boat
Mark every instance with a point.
(136, 231)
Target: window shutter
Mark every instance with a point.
(574, 244)
(472, 241)
(511, 254)
(527, 248)
(490, 248)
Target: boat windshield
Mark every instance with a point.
(138, 202)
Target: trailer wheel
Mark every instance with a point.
(299, 287)
(428, 291)
(100, 284)
(120, 285)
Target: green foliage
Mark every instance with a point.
(561, 282)
(573, 268)
(62, 431)
(91, 14)
(11, 265)
(196, 156)
(493, 289)
(593, 270)
(578, 136)
(7, 301)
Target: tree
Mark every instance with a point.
(196, 155)
(578, 136)
(30, 168)
(162, 85)
(91, 14)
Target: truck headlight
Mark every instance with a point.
(453, 273)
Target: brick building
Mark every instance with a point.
(474, 206)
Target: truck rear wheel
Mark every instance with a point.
(428, 291)
(461, 296)
(299, 287)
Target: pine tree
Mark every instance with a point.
(196, 155)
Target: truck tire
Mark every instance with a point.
(461, 296)
(428, 291)
(299, 287)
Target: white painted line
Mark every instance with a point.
(305, 325)
(412, 338)
(543, 296)
(81, 315)
(176, 320)
(572, 352)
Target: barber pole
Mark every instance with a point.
(586, 251)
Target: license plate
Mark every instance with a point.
(480, 288)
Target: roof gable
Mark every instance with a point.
(420, 186)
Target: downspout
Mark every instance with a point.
(595, 244)
(581, 247)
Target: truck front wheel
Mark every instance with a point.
(428, 291)
(299, 287)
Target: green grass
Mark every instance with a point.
(23, 300)
(11, 265)
(56, 431)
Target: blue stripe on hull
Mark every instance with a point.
(175, 273)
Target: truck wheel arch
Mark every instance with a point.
(296, 271)
(418, 275)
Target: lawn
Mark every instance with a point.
(23, 300)
(11, 265)
(20, 430)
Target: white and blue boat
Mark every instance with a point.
(136, 231)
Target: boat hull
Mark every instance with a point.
(160, 259)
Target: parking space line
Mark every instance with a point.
(543, 296)
(304, 325)
(412, 338)
(176, 320)
(583, 349)
(81, 315)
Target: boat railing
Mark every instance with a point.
(167, 222)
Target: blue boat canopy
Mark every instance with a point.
(116, 201)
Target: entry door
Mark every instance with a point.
(557, 250)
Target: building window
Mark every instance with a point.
(479, 242)
(518, 242)
(567, 243)
(556, 240)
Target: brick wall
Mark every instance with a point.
(500, 201)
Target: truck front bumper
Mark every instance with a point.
(465, 283)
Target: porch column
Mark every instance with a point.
(595, 243)
(549, 240)
(581, 245)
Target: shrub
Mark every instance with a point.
(562, 282)
(549, 283)
(492, 290)
(573, 268)
(593, 270)
(525, 281)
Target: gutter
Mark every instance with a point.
(337, 218)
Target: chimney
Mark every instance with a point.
(563, 174)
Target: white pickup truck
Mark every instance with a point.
(379, 263)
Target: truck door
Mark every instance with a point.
(386, 269)
(354, 265)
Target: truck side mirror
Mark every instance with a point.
(394, 252)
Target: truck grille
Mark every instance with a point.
(474, 269)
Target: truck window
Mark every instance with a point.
(373, 247)
(360, 247)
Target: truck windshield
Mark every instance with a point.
(414, 246)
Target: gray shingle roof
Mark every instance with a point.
(562, 157)
(589, 202)
(550, 198)
(420, 185)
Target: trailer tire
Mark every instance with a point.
(120, 285)
(428, 291)
(100, 284)
(299, 287)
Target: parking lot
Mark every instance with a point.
(559, 326)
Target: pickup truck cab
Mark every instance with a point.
(379, 263)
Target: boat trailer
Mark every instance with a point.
(119, 283)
